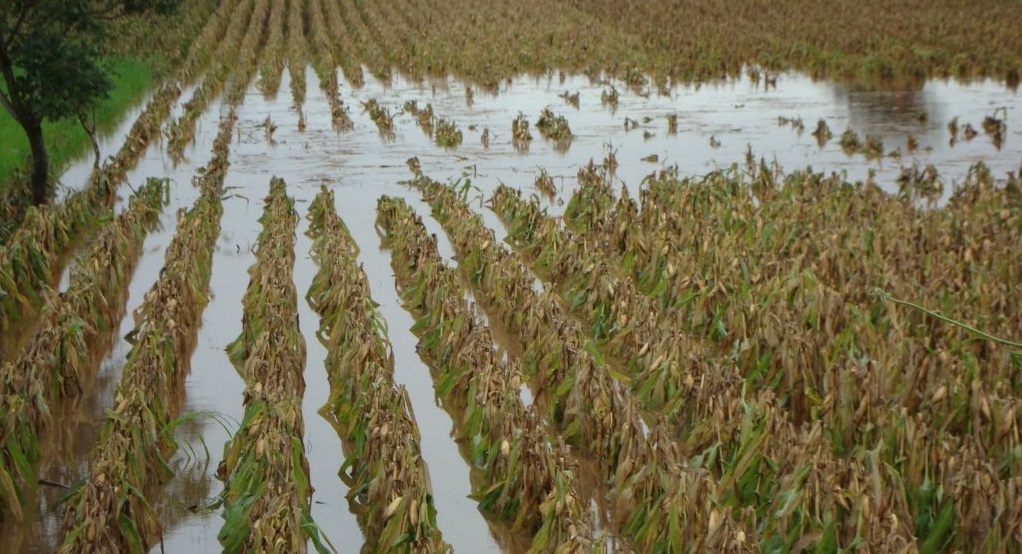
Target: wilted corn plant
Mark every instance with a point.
(381, 117)
(592, 413)
(267, 494)
(520, 135)
(447, 134)
(75, 332)
(111, 510)
(389, 485)
(423, 116)
(545, 184)
(555, 128)
(528, 481)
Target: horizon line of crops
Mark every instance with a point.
(325, 61)
(592, 412)
(111, 509)
(528, 481)
(837, 313)
(267, 494)
(75, 331)
(389, 487)
(920, 471)
(905, 42)
(244, 22)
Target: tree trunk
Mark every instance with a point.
(40, 163)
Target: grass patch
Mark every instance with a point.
(65, 139)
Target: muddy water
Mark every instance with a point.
(361, 165)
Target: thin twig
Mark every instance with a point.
(887, 297)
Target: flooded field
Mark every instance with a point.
(786, 347)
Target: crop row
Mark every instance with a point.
(388, 478)
(206, 45)
(620, 320)
(75, 330)
(112, 509)
(325, 62)
(528, 481)
(267, 494)
(31, 258)
(297, 51)
(246, 21)
(271, 68)
(592, 411)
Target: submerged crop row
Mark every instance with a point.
(528, 481)
(388, 480)
(267, 494)
(75, 331)
(112, 509)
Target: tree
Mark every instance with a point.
(51, 65)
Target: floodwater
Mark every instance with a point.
(717, 125)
